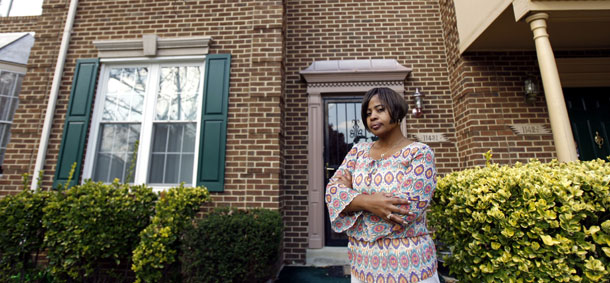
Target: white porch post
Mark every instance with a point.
(558, 113)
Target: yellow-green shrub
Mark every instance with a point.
(530, 222)
(155, 257)
(93, 223)
(21, 234)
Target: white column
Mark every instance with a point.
(558, 113)
(315, 168)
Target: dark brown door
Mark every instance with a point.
(343, 128)
(589, 111)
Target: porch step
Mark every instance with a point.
(327, 256)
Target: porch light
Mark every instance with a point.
(418, 110)
(531, 89)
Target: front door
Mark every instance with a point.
(342, 129)
(589, 111)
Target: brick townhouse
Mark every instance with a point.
(259, 100)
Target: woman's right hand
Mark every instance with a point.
(383, 205)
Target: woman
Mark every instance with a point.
(379, 197)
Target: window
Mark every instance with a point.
(173, 115)
(153, 111)
(10, 86)
(12, 8)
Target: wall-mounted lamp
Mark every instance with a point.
(419, 104)
(531, 89)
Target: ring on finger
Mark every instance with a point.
(388, 216)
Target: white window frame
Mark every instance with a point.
(144, 149)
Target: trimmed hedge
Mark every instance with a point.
(531, 222)
(231, 245)
(94, 223)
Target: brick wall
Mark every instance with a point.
(252, 31)
(408, 31)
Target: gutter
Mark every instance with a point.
(48, 119)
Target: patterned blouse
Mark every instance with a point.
(378, 250)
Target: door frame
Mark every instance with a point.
(337, 78)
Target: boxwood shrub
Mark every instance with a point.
(231, 245)
(155, 259)
(529, 222)
(21, 235)
(92, 224)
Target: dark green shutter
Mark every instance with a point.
(212, 143)
(77, 121)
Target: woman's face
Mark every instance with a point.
(378, 117)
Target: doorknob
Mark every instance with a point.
(599, 140)
(329, 170)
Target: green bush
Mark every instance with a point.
(527, 223)
(92, 224)
(155, 257)
(231, 245)
(21, 235)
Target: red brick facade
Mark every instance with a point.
(471, 99)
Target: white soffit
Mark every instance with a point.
(473, 17)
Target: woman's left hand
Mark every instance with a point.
(345, 179)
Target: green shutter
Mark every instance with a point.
(77, 121)
(212, 143)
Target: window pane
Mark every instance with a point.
(179, 88)
(172, 169)
(5, 102)
(125, 94)
(160, 138)
(157, 163)
(187, 162)
(117, 167)
(175, 138)
(7, 81)
(172, 164)
(4, 134)
(17, 89)
(102, 167)
(115, 151)
(189, 137)
(12, 109)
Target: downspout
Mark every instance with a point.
(48, 119)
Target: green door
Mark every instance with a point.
(589, 111)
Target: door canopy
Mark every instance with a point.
(336, 76)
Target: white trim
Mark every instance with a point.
(144, 47)
(11, 67)
(151, 60)
(95, 118)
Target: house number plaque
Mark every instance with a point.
(529, 129)
(430, 137)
